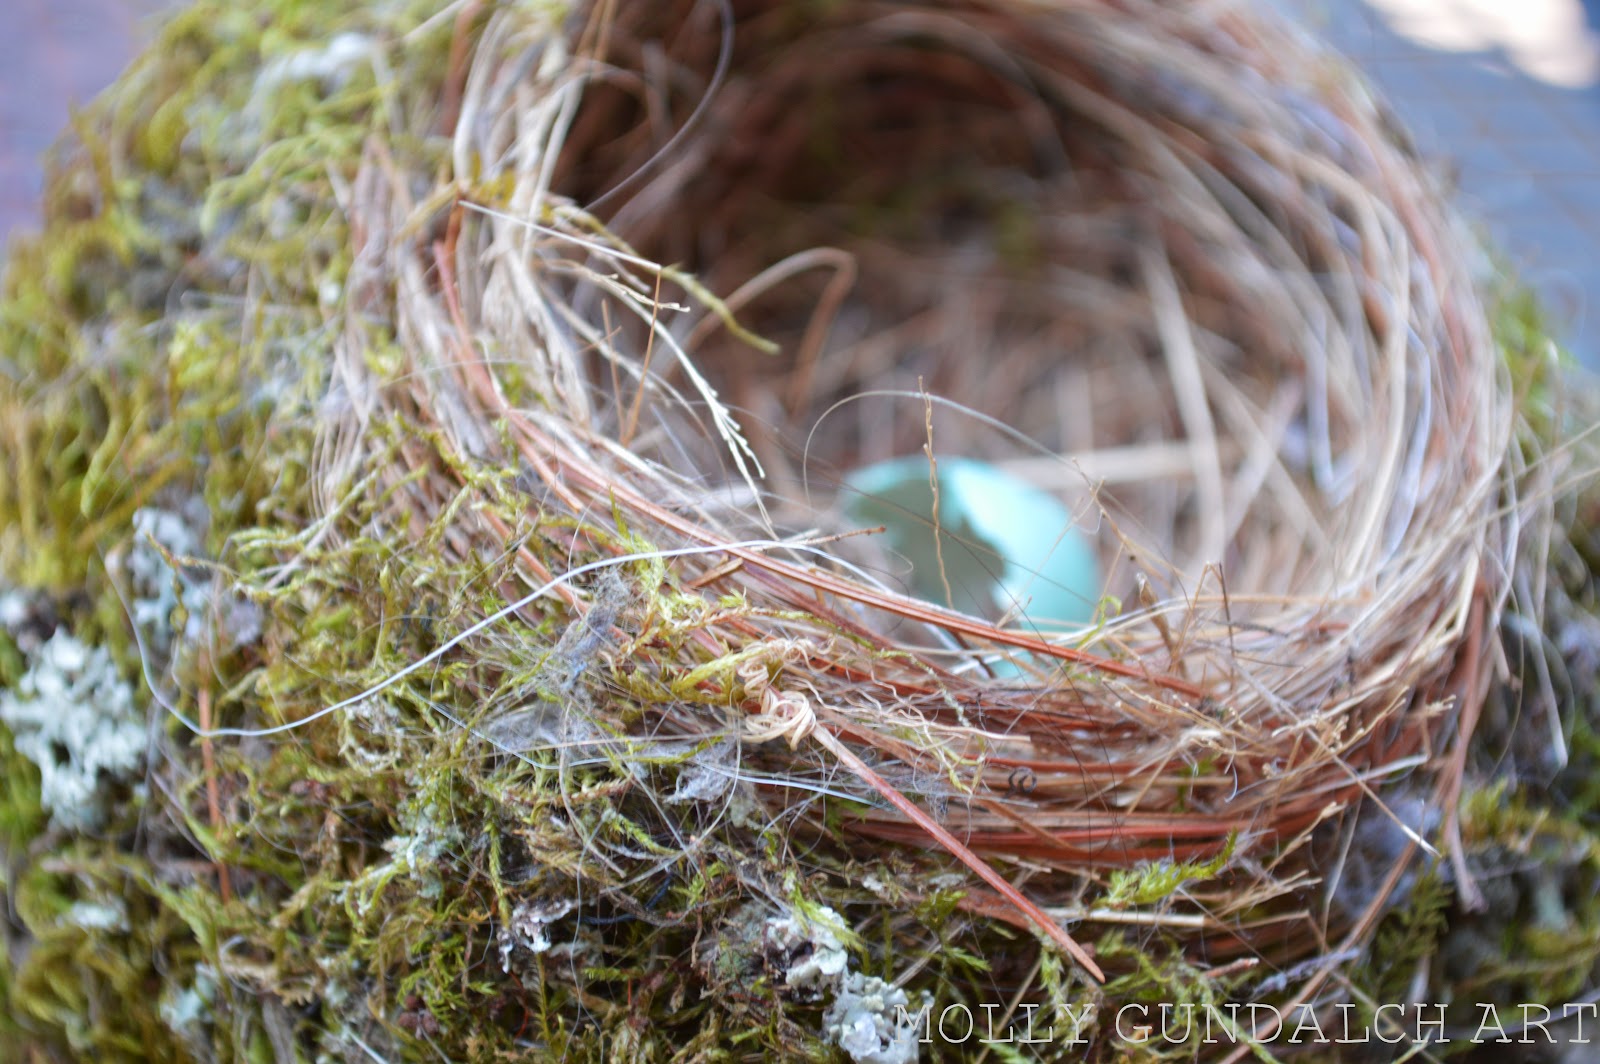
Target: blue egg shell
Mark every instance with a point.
(1004, 544)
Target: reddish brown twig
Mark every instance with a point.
(213, 799)
(936, 830)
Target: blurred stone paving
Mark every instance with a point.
(1505, 91)
(54, 54)
(1507, 98)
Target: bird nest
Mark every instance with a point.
(1198, 277)
(617, 304)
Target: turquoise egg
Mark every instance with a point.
(1005, 545)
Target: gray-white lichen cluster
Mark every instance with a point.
(13, 607)
(189, 1010)
(159, 584)
(873, 1021)
(820, 959)
(157, 589)
(430, 836)
(529, 928)
(74, 716)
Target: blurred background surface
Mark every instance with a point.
(1505, 94)
(55, 54)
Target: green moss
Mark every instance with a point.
(133, 380)
(22, 817)
(1159, 880)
